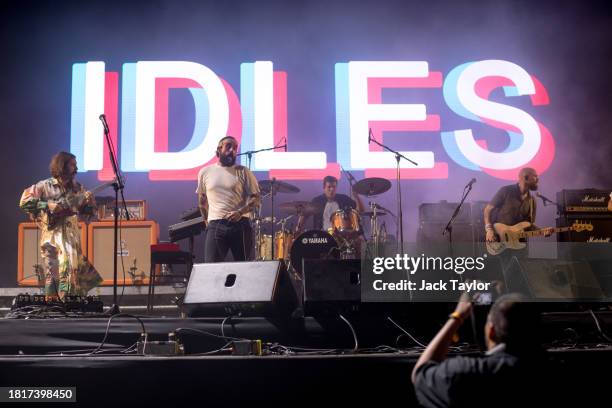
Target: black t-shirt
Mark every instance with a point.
(510, 208)
(320, 201)
(498, 379)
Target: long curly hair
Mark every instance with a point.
(58, 163)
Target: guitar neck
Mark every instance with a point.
(535, 233)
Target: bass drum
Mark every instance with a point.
(313, 244)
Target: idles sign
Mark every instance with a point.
(258, 118)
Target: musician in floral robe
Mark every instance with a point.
(55, 204)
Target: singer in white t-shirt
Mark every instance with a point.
(227, 194)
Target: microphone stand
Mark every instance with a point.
(547, 201)
(400, 214)
(118, 186)
(449, 225)
(249, 155)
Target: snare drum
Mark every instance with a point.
(345, 221)
(313, 244)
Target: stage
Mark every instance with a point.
(304, 360)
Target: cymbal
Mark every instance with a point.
(372, 186)
(303, 207)
(371, 213)
(279, 187)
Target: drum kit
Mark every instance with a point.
(343, 240)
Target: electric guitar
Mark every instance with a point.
(75, 202)
(508, 236)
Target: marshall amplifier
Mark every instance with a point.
(600, 233)
(588, 200)
(591, 244)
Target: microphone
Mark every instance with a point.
(369, 135)
(472, 181)
(104, 123)
(544, 199)
(285, 144)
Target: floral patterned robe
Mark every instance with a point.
(67, 271)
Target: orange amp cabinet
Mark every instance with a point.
(133, 250)
(29, 262)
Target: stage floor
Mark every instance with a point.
(54, 352)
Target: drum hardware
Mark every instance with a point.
(374, 227)
(371, 213)
(347, 248)
(270, 188)
(370, 187)
(283, 221)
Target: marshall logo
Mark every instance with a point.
(593, 239)
(593, 199)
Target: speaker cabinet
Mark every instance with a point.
(331, 286)
(240, 288)
(546, 279)
(601, 232)
(133, 250)
(28, 252)
(430, 240)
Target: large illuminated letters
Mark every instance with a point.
(86, 138)
(466, 91)
(138, 136)
(352, 143)
(259, 119)
(257, 89)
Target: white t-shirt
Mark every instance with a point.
(227, 189)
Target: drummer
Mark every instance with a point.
(328, 203)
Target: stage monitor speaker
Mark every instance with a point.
(331, 286)
(261, 288)
(29, 262)
(546, 279)
(133, 252)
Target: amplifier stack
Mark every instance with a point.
(133, 254)
(586, 205)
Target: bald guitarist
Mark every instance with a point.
(513, 204)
